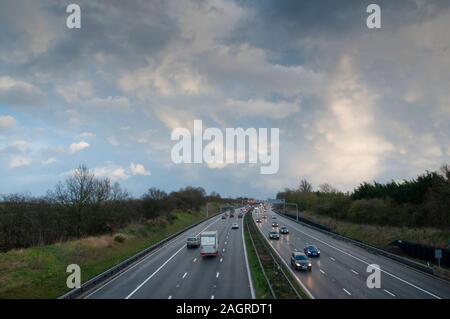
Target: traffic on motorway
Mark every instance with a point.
(206, 262)
(330, 268)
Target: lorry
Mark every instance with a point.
(209, 243)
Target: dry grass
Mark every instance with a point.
(382, 236)
(40, 272)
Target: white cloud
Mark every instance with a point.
(7, 122)
(263, 108)
(75, 91)
(19, 161)
(50, 160)
(19, 93)
(20, 145)
(139, 169)
(113, 141)
(111, 102)
(111, 171)
(345, 146)
(86, 135)
(76, 147)
(166, 79)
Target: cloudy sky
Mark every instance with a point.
(352, 104)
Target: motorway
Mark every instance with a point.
(176, 272)
(340, 271)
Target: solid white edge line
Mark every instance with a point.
(169, 244)
(388, 292)
(310, 295)
(165, 263)
(364, 262)
(250, 281)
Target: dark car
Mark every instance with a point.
(300, 261)
(274, 235)
(193, 242)
(258, 220)
(240, 215)
(274, 224)
(312, 251)
(264, 217)
(284, 230)
(274, 217)
(224, 217)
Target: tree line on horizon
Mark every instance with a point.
(423, 201)
(85, 205)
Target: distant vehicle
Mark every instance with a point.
(274, 217)
(264, 217)
(235, 226)
(224, 217)
(240, 215)
(209, 243)
(258, 221)
(312, 251)
(231, 215)
(284, 230)
(274, 224)
(192, 242)
(274, 235)
(300, 261)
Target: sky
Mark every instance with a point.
(352, 104)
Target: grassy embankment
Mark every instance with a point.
(381, 236)
(40, 272)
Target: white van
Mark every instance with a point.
(209, 243)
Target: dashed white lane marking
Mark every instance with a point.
(217, 275)
(221, 259)
(323, 272)
(170, 297)
(388, 292)
(212, 297)
(185, 274)
(226, 242)
(195, 259)
(295, 249)
(348, 293)
(366, 263)
(355, 272)
(223, 250)
(332, 259)
(165, 263)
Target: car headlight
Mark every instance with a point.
(309, 265)
(297, 264)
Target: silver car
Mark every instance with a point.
(193, 242)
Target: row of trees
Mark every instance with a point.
(84, 205)
(423, 201)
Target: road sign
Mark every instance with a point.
(438, 255)
(276, 201)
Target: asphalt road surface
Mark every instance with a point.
(341, 270)
(174, 271)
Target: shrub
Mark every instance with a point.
(120, 238)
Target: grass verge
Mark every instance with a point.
(381, 236)
(262, 290)
(40, 272)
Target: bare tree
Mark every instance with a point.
(80, 191)
(305, 186)
(327, 188)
